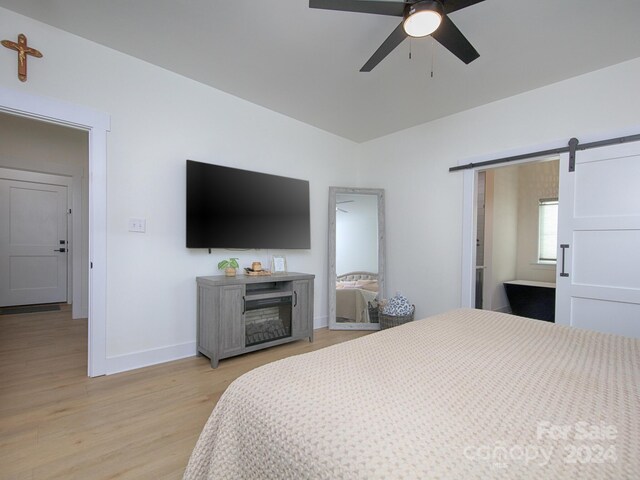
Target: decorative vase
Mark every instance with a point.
(230, 272)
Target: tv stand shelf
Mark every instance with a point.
(271, 294)
(269, 289)
(242, 314)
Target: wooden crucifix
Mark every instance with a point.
(23, 50)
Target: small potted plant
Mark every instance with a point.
(229, 266)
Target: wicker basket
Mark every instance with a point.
(388, 321)
(373, 312)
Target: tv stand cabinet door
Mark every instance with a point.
(303, 309)
(232, 336)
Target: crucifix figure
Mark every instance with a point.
(23, 50)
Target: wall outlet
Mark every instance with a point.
(137, 225)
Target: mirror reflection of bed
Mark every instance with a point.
(355, 256)
(354, 292)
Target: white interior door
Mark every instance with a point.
(33, 259)
(599, 233)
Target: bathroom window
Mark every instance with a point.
(547, 230)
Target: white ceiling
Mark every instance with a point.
(304, 62)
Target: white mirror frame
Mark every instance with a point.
(333, 191)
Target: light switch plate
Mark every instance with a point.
(137, 225)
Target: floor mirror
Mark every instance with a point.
(356, 257)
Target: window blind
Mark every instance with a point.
(547, 230)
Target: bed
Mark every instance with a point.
(466, 394)
(354, 291)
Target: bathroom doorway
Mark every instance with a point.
(516, 232)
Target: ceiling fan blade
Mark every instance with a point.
(453, 5)
(394, 9)
(453, 40)
(392, 41)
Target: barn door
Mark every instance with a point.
(33, 243)
(598, 271)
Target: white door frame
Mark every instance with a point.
(469, 198)
(469, 220)
(97, 124)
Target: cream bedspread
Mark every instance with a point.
(466, 394)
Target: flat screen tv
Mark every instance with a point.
(232, 208)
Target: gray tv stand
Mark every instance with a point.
(242, 314)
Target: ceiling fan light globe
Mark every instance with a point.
(422, 23)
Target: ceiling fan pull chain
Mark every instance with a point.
(432, 56)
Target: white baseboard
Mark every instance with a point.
(82, 313)
(320, 322)
(145, 358)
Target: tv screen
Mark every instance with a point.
(232, 208)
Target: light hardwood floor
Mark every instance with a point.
(55, 422)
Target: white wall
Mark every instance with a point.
(424, 200)
(357, 234)
(160, 119)
(535, 181)
(27, 144)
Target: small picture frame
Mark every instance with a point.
(278, 264)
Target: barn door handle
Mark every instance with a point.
(295, 298)
(564, 247)
(244, 305)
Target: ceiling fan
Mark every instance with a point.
(420, 18)
(338, 209)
